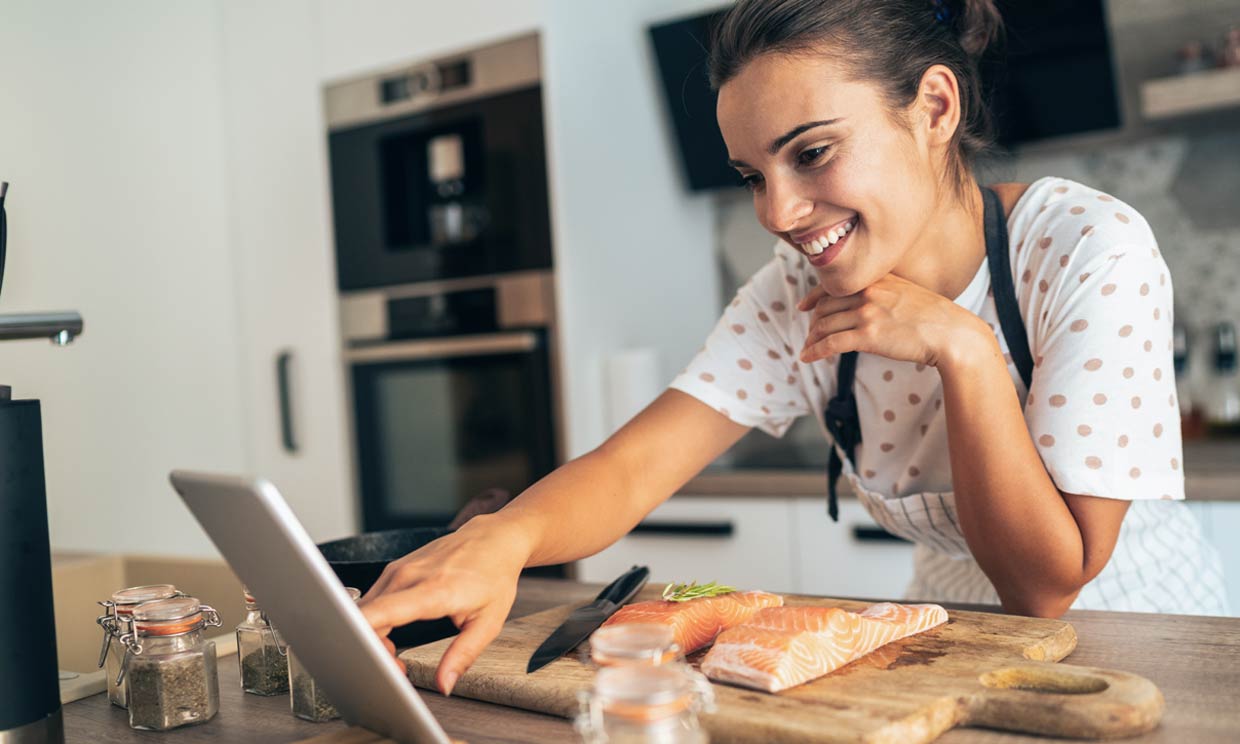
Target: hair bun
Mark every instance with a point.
(978, 26)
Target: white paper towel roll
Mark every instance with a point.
(633, 381)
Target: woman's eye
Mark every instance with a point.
(753, 182)
(811, 156)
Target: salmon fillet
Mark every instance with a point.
(696, 623)
(788, 646)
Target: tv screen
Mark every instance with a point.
(1054, 77)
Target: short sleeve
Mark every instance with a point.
(1102, 408)
(748, 369)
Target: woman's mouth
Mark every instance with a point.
(823, 249)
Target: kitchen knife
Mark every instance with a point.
(585, 620)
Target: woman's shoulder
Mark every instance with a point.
(1062, 208)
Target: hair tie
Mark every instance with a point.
(943, 12)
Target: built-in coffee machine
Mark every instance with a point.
(444, 262)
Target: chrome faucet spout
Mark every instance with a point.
(61, 328)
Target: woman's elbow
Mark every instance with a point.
(1040, 604)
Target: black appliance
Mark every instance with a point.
(30, 703)
(439, 170)
(1054, 77)
(452, 394)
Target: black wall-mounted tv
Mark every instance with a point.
(1054, 77)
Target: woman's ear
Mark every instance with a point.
(938, 98)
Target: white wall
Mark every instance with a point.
(634, 250)
(111, 134)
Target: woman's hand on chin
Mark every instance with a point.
(894, 318)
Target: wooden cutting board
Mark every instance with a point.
(978, 669)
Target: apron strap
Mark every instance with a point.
(841, 417)
(998, 256)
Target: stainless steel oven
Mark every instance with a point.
(452, 393)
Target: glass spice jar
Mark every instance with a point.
(650, 644)
(639, 704)
(306, 697)
(260, 652)
(170, 670)
(115, 621)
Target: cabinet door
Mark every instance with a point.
(849, 558)
(296, 422)
(745, 542)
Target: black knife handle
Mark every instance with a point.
(622, 589)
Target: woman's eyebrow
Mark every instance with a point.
(779, 142)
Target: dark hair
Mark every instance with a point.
(890, 42)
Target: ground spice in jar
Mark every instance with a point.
(168, 693)
(264, 668)
(264, 671)
(309, 702)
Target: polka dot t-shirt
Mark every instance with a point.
(1095, 298)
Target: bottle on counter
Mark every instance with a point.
(641, 704)
(305, 696)
(169, 669)
(261, 652)
(116, 621)
(1192, 421)
(648, 644)
(1222, 399)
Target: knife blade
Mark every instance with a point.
(585, 620)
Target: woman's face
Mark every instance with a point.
(824, 158)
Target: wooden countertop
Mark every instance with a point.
(1195, 661)
(1211, 472)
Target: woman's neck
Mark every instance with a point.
(952, 247)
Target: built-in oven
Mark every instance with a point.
(452, 394)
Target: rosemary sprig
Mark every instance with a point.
(693, 590)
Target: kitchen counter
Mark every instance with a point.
(1211, 472)
(1195, 661)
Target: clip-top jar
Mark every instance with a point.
(306, 697)
(169, 669)
(640, 704)
(649, 644)
(115, 622)
(260, 652)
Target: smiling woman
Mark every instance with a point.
(983, 360)
(991, 366)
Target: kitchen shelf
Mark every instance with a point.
(1199, 92)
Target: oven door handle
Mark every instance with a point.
(445, 348)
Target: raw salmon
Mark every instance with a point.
(697, 621)
(787, 646)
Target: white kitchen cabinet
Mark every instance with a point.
(849, 558)
(283, 248)
(745, 542)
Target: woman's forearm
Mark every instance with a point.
(1016, 522)
(575, 511)
(594, 500)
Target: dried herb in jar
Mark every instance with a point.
(264, 671)
(164, 694)
(309, 702)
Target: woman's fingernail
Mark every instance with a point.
(449, 681)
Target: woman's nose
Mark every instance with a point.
(783, 208)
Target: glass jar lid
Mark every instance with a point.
(172, 616)
(645, 643)
(125, 600)
(644, 693)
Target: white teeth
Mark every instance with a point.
(846, 227)
(814, 248)
(833, 237)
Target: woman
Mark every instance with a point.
(992, 367)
